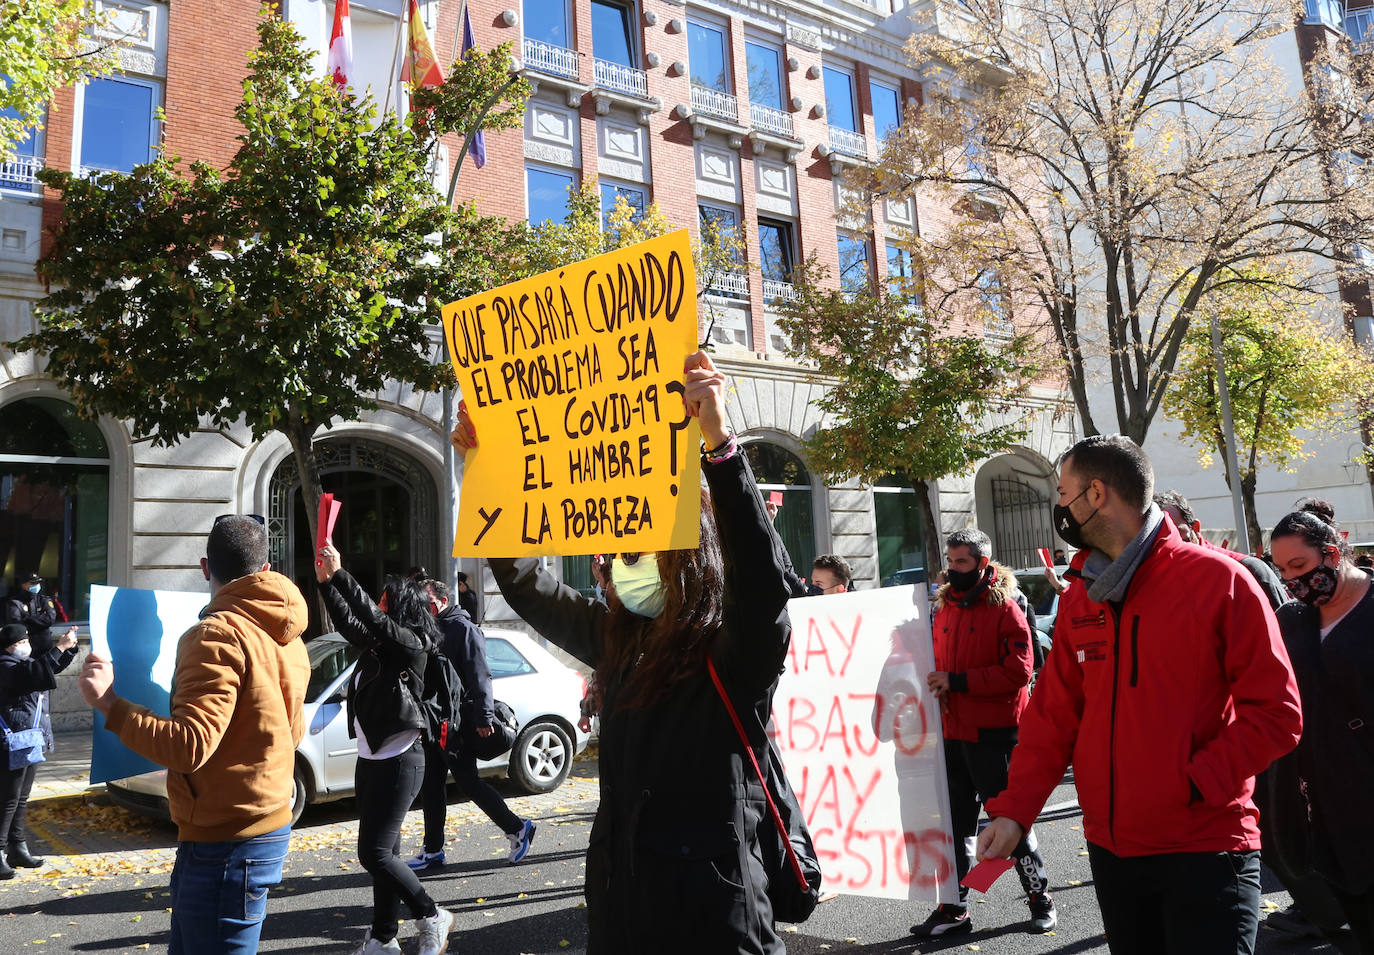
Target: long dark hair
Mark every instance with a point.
(1315, 522)
(646, 659)
(407, 603)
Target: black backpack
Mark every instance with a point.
(441, 702)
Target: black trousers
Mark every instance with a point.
(15, 787)
(385, 790)
(1359, 914)
(434, 796)
(1181, 903)
(977, 772)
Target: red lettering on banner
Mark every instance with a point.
(901, 734)
(835, 715)
(851, 644)
(874, 858)
(846, 725)
(804, 721)
(861, 729)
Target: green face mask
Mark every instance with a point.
(637, 585)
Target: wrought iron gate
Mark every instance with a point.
(1020, 522)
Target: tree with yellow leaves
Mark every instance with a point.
(1292, 378)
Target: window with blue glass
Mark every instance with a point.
(612, 191)
(855, 272)
(993, 298)
(765, 75)
(547, 194)
(547, 22)
(887, 108)
(20, 171)
(900, 276)
(118, 123)
(612, 33)
(775, 250)
(839, 99)
(706, 52)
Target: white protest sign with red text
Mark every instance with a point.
(860, 736)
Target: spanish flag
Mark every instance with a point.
(421, 69)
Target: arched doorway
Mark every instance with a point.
(54, 499)
(778, 469)
(386, 526)
(1013, 494)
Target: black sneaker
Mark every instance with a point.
(1043, 918)
(1292, 921)
(945, 920)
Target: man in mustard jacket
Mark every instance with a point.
(229, 744)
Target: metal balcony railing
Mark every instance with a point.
(848, 142)
(1360, 25)
(21, 173)
(729, 285)
(715, 103)
(774, 290)
(547, 58)
(770, 120)
(621, 78)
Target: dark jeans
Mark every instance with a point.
(434, 795)
(1359, 914)
(1180, 903)
(14, 801)
(976, 773)
(385, 790)
(219, 893)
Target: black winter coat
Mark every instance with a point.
(23, 683)
(673, 863)
(1331, 773)
(37, 612)
(392, 656)
(464, 645)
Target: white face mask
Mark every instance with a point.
(638, 586)
(22, 650)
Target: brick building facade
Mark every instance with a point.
(742, 110)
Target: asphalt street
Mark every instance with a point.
(106, 889)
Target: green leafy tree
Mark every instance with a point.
(284, 290)
(44, 45)
(911, 394)
(1291, 379)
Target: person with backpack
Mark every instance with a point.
(387, 713)
(464, 645)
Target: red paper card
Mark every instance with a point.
(1045, 556)
(775, 498)
(985, 873)
(324, 523)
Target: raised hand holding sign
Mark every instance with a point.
(574, 379)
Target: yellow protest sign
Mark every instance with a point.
(573, 382)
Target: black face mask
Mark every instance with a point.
(963, 580)
(1068, 527)
(1315, 587)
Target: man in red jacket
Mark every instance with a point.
(1168, 688)
(983, 660)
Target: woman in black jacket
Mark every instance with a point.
(1321, 792)
(24, 684)
(384, 714)
(674, 860)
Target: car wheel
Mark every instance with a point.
(300, 793)
(541, 758)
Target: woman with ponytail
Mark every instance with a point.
(1323, 791)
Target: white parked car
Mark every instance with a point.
(544, 694)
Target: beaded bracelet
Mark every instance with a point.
(724, 452)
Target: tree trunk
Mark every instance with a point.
(1247, 497)
(301, 435)
(931, 532)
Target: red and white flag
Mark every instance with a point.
(420, 69)
(340, 63)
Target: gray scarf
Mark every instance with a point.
(1108, 579)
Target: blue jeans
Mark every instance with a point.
(219, 893)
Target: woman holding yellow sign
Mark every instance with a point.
(674, 862)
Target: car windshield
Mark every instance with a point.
(1037, 590)
(328, 659)
(505, 660)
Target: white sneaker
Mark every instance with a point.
(433, 932)
(371, 946)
